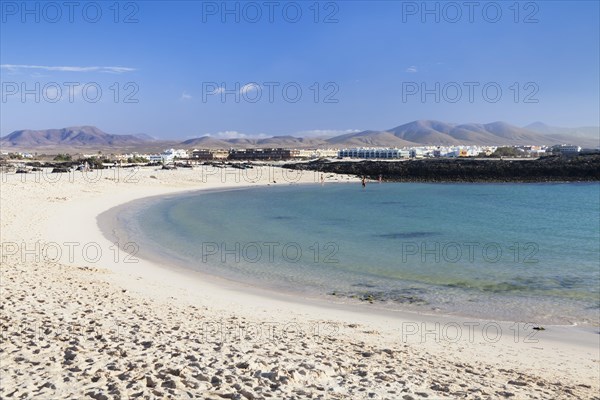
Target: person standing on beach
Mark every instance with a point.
(322, 180)
(364, 182)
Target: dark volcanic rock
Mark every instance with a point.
(546, 169)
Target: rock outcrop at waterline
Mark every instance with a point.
(546, 169)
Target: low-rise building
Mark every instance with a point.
(167, 156)
(210, 154)
(261, 154)
(417, 152)
(180, 153)
(379, 153)
(155, 158)
(567, 149)
(315, 153)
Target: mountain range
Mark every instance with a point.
(416, 133)
(76, 136)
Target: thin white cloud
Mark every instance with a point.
(236, 135)
(229, 135)
(112, 70)
(247, 88)
(185, 96)
(39, 75)
(324, 133)
(412, 69)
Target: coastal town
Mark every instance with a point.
(170, 156)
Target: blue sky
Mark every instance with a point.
(188, 69)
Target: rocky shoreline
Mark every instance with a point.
(584, 168)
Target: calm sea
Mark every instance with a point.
(524, 252)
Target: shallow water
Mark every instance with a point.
(526, 252)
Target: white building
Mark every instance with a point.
(568, 149)
(381, 153)
(315, 153)
(168, 156)
(417, 152)
(180, 153)
(155, 158)
(451, 153)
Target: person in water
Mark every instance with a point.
(364, 181)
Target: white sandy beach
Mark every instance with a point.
(81, 318)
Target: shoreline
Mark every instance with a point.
(220, 283)
(115, 230)
(164, 297)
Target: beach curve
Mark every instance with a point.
(213, 347)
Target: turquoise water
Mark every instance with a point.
(527, 252)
